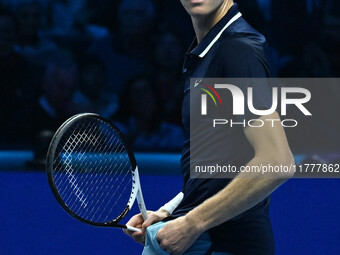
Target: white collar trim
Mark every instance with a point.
(232, 20)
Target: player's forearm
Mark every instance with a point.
(240, 195)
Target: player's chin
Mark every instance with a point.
(199, 11)
(201, 7)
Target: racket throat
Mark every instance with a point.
(137, 193)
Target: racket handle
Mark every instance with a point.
(133, 229)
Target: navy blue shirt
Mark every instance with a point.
(239, 52)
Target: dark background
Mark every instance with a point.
(122, 59)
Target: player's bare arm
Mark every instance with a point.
(271, 147)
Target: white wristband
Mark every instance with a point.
(173, 203)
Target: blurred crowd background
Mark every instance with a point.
(123, 59)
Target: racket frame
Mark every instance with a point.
(136, 191)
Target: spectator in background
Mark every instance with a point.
(127, 52)
(103, 13)
(55, 103)
(168, 57)
(32, 43)
(174, 18)
(139, 117)
(68, 24)
(92, 82)
(13, 73)
(62, 15)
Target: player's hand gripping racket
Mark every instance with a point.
(92, 172)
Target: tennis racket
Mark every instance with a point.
(92, 172)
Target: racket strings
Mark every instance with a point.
(67, 150)
(93, 171)
(81, 156)
(115, 180)
(66, 153)
(100, 174)
(94, 213)
(89, 166)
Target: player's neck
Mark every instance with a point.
(203, 24)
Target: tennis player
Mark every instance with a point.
(222, 216)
